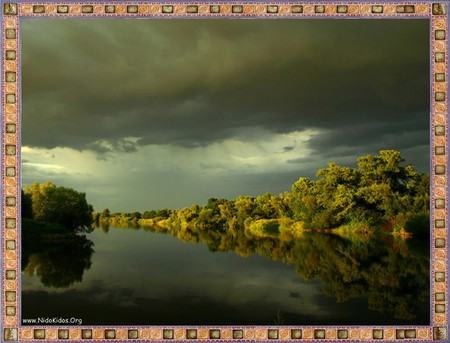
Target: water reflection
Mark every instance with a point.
(59, 260)
(381, 274)
(392, 274)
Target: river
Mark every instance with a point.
(139, 276)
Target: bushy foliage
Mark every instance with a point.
(380, 192)
(62, 206)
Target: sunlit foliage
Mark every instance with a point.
(61, 206)
(382, 193)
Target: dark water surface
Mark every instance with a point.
(136, 276)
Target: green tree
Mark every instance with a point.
(303, 202)
(386, 169)
(244, 206)
(95, 217)
(60, 205)
(382, 189)
(164, 213)
(105, 214)
(135, 215)
(27, 211)
(267, 206)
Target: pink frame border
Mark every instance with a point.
(13, 11)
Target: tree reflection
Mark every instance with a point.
(392, 274)
(59, 260)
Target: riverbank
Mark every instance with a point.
(280, 228)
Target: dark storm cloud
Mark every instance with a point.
(288, 148)
(370, 137)
(93, 84)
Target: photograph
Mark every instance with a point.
(225, 172)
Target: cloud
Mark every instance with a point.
(146, 114)
(126, 144)
(158, 176)
(193, 83)
(287, 148)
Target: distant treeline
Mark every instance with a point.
(382, 193)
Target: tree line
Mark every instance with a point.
(381, 193)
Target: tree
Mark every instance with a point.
(27, 211)
(387, 187)
(267, 206)
(303, 202)
(244, 206)
(386, 169)
(95, 217)
(135, 216)
(105, 214)
(60, 205)
(381, 190)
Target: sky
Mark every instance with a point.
(148, 114)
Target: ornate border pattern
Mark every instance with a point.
(10, 167)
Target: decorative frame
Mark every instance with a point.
(10, 105)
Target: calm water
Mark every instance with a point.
(138, 276)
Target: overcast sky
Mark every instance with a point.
(146, 114)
